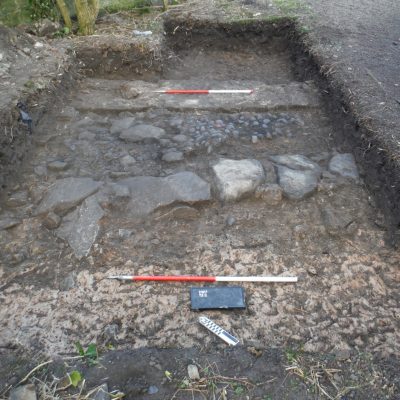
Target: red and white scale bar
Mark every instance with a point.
(191, 278)
(204, 91)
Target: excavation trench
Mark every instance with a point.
(123, 180)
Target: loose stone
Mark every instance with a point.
(180, 138)
(344, 165)
(121, 125)
(57, 166)
(141, 133)
(52, 220)
(297, 161)
(237, 178)
(297, 184)
(80, 227)
(172, 156)
(193, 372)
(148, 193)
(66, 193)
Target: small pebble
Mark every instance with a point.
(193, 372)
(230, 220)
(152, 389)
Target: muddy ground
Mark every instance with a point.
(60, 243)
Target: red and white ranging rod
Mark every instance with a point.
(193, 278)
(204, 91)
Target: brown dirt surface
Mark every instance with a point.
(333, 335)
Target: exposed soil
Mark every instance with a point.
(332, 238)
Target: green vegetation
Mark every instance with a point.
(289, 7)
(90, 355)
(14, 12)
(142, 6)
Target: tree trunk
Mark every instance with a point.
(165, 2)
(65, 13)
(86, 11)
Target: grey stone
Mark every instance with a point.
(297, 161)
(87, 136)
(269, 170)
(52, 220)
(141, 133)
(8, 222)
(344, 165)
(193, 372)
(121, 125)
(271, 194)
(152, 389)
(68, 113)
(180, 138)
(127, 161)
(69, 282)
(296, 184)
(237, 178)
(149, 193)
(230, 220)
(17, 199)
(129, 91)
(25, 392)
(80, 227)
(57, 166)
(66, 193)
(172, 156)
(101, 393)
(165, 142)
(46, 27)
(40, 170)
(254, 139)
(124, 233)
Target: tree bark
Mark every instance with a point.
(65, 13)
(86, 11)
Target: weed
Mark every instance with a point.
(62, 32)
(90, 355)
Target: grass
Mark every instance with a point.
(289, 7)
(14, 12)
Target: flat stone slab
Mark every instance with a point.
(296, 161)
(344, 165)
(296, 184)
(142, 132)
(238, 178)
(66, 193)
(172, 156)
(104, 95)
(81, 227)
(149, 193)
